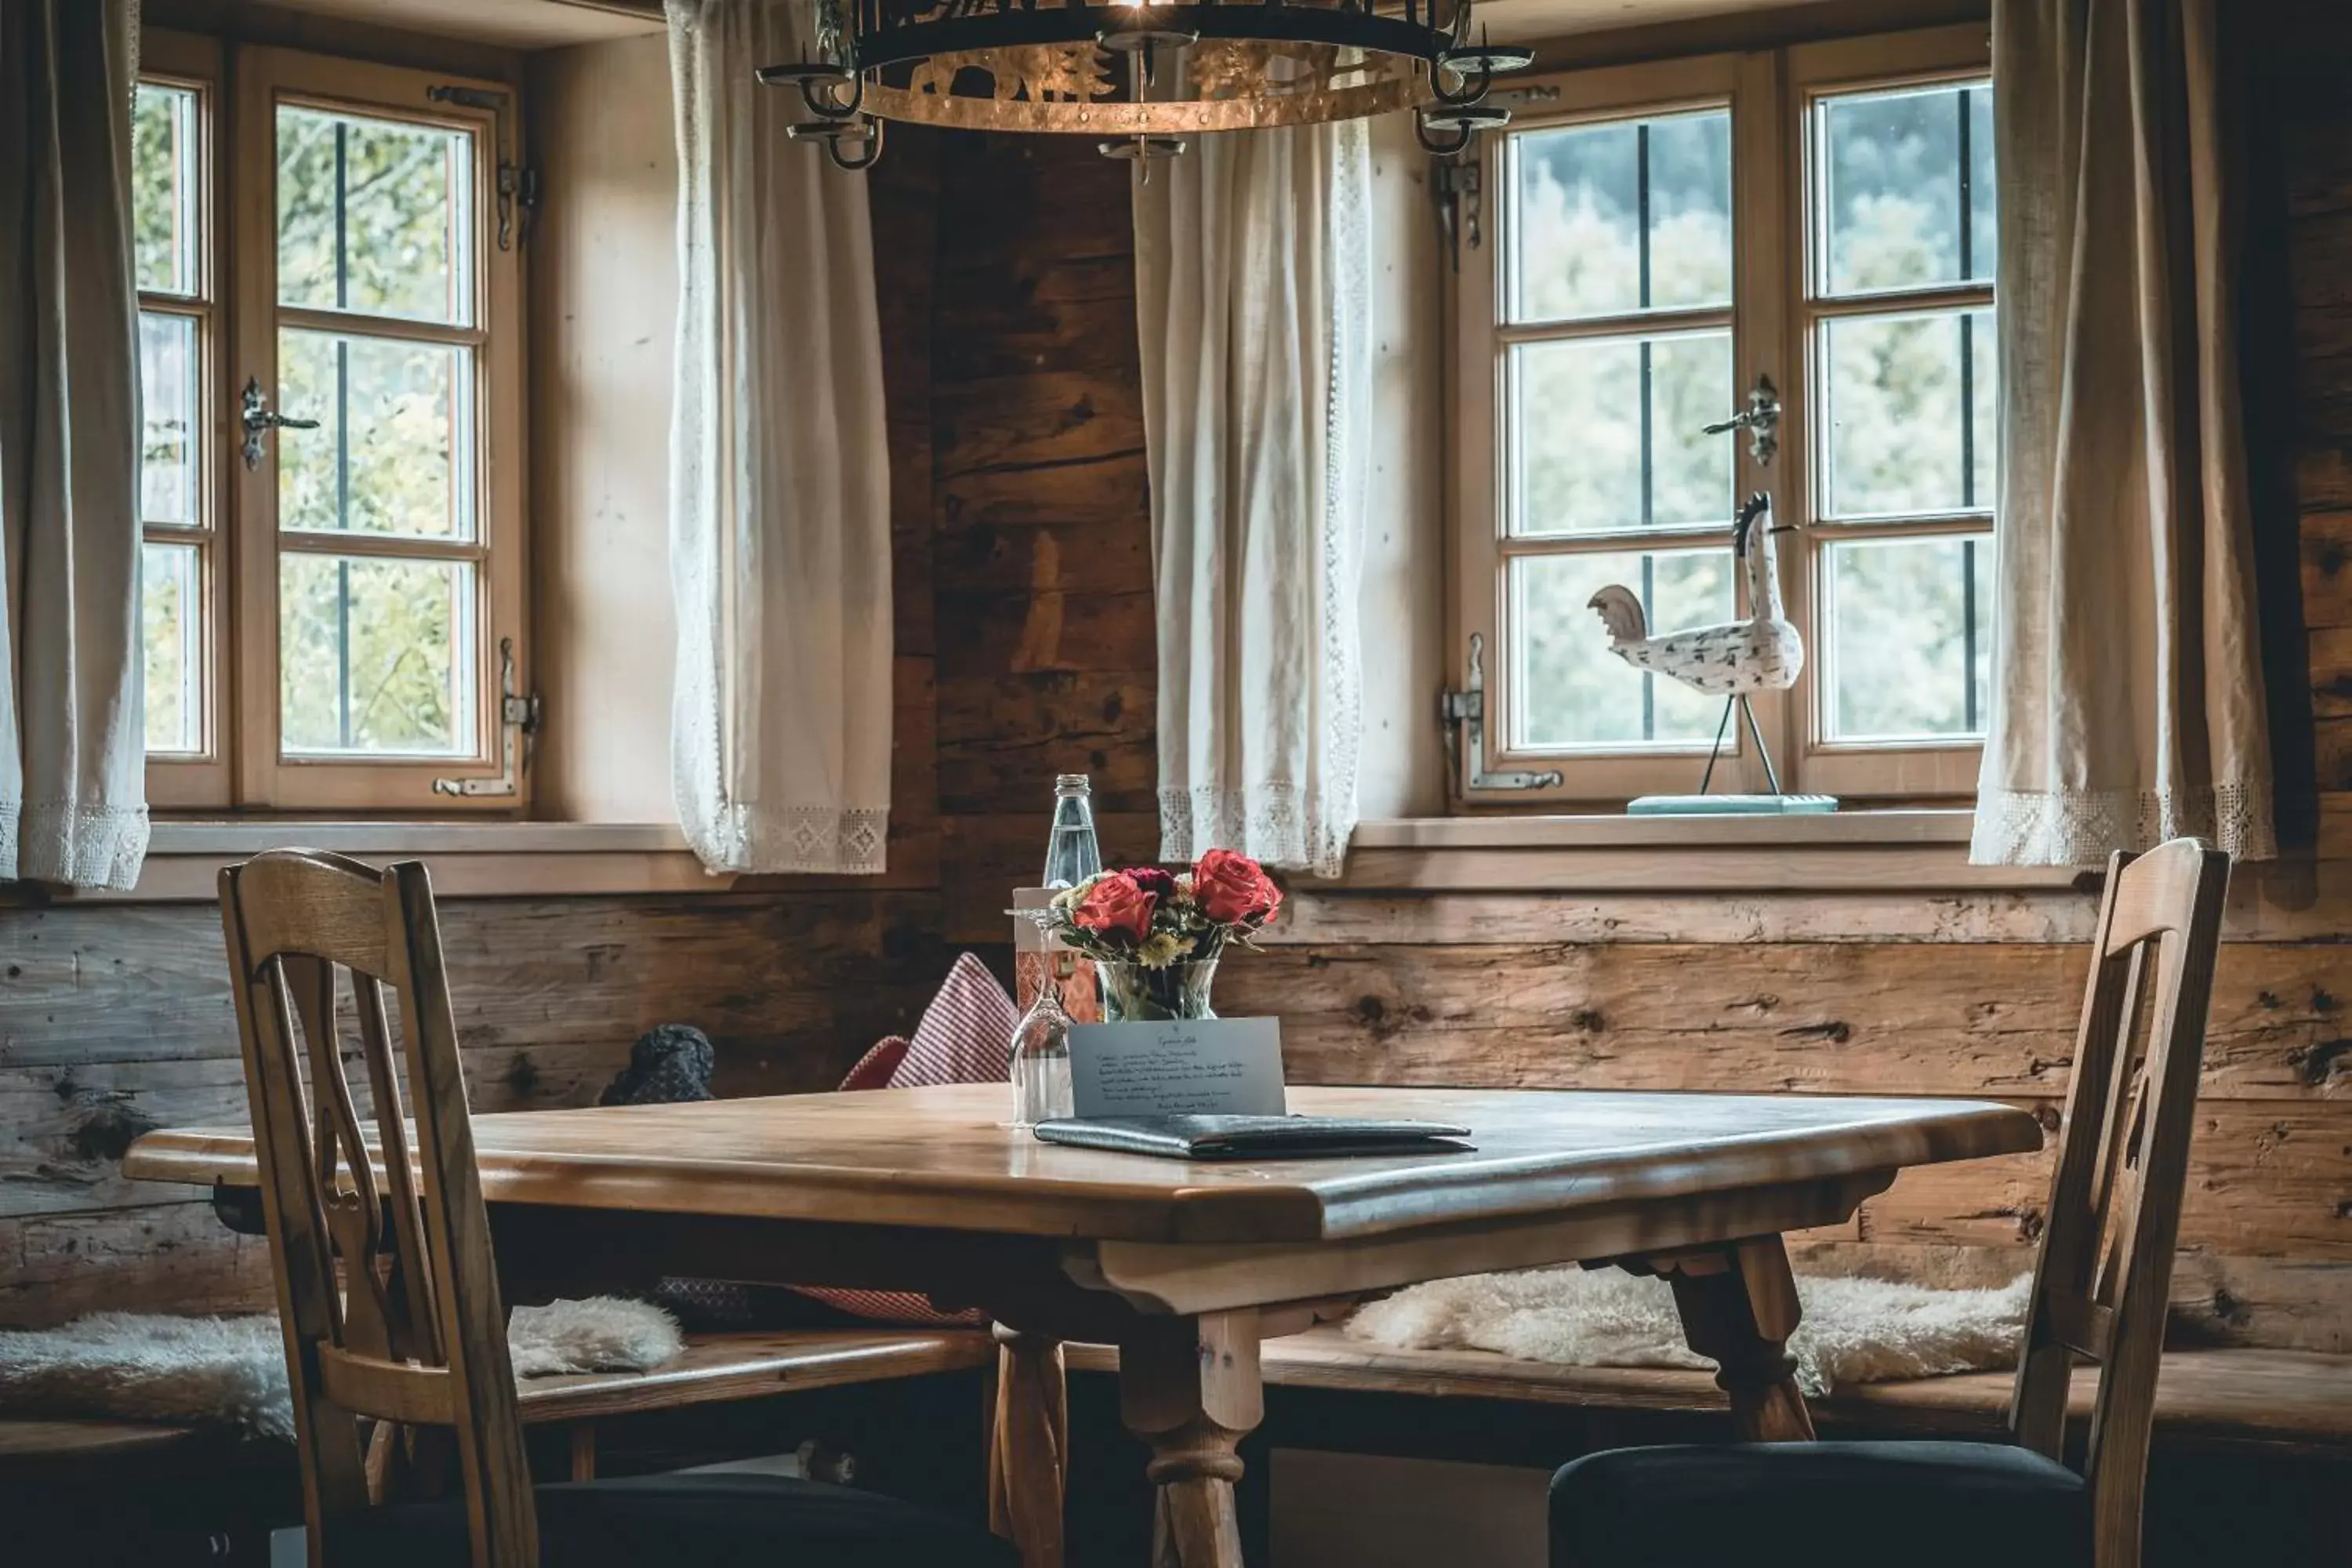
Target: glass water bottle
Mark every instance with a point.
(1071, 854)
(1041, 1053)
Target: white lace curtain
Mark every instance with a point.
(2127, 702)
(1253, 300)
(780, 524)
(73, 787)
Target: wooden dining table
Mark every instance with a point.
(1185, 1267)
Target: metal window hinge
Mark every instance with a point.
(518, 716)
(518, 184)
(1458, 185)
(1464, 714)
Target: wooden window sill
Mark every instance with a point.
(469, 859)
(1916, 850)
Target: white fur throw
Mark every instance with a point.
(1854, 1330)
(140, 1366)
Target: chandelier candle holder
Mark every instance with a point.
(1141, 78)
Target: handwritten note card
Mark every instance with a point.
(1208, 1067)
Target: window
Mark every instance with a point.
(1661, 246)
(333, 573)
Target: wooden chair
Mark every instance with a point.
(416, 1331)
(2100, 1292)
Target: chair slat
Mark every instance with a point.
(2081, 1325)
(409, 1287)
(412, 1394)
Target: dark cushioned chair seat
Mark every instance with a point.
(723, 1520)
(1823, 1505)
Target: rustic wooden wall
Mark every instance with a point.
(115, 1018)
(1045, 651)
(1041, 529)
(1026, 648)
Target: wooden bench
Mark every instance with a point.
(716, 1368)
(2274, 1400)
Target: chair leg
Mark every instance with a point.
(583, 1451)
(1028, 1464)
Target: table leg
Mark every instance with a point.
(1028, 1461)
(1739, 1306)
(1189, 1387)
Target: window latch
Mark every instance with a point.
(518, 717)
(1457, 184)
(259, 419)
(1760, 419)
(518, 184)
(1464, 714)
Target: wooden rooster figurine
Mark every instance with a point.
(1763, 653)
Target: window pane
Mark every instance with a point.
(374, 215)
(1910, 649)
(1984, 417)
(1984, 226)
(171, 626)
(165, 210)
(1606, 434)
(1570, 690)
(1910, 401)
(169, 400)
(375, 656)
(1907, 188)
(1630, 215)
(394, 447)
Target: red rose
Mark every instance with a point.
(1234, 889)
(1160, 884)
(1116, 907)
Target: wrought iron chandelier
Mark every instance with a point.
(1139, 74)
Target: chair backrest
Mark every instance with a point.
(416, 1332)
(2102, 1284)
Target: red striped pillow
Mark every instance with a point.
(965, 1037)
(874, 1069)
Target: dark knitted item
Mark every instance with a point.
(669, 1064)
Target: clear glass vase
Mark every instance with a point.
(1137, 994)
(1041, 1060)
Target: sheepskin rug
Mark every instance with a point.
(1854, 1330)
(140, 1366)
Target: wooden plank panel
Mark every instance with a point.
(2217, 1298)
(792, 987)
(1048, 416)
(1316, 918)
(2290, 901)
(985, 858)
(2271, 1180)
(1076, 311)
(2327, 568)
(173, 1256)
(1105, 499)
(999, 738)
(1006, 549)
(2331, 672)
(1018, 633)
(1865, 1019)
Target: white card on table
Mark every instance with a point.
(1186, 1067)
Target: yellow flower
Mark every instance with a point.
(1159, 950)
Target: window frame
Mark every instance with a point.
(202, 778)
(243, 768)
(1769, 96)
(1813, 72)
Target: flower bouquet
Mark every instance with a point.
(1156, 936)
